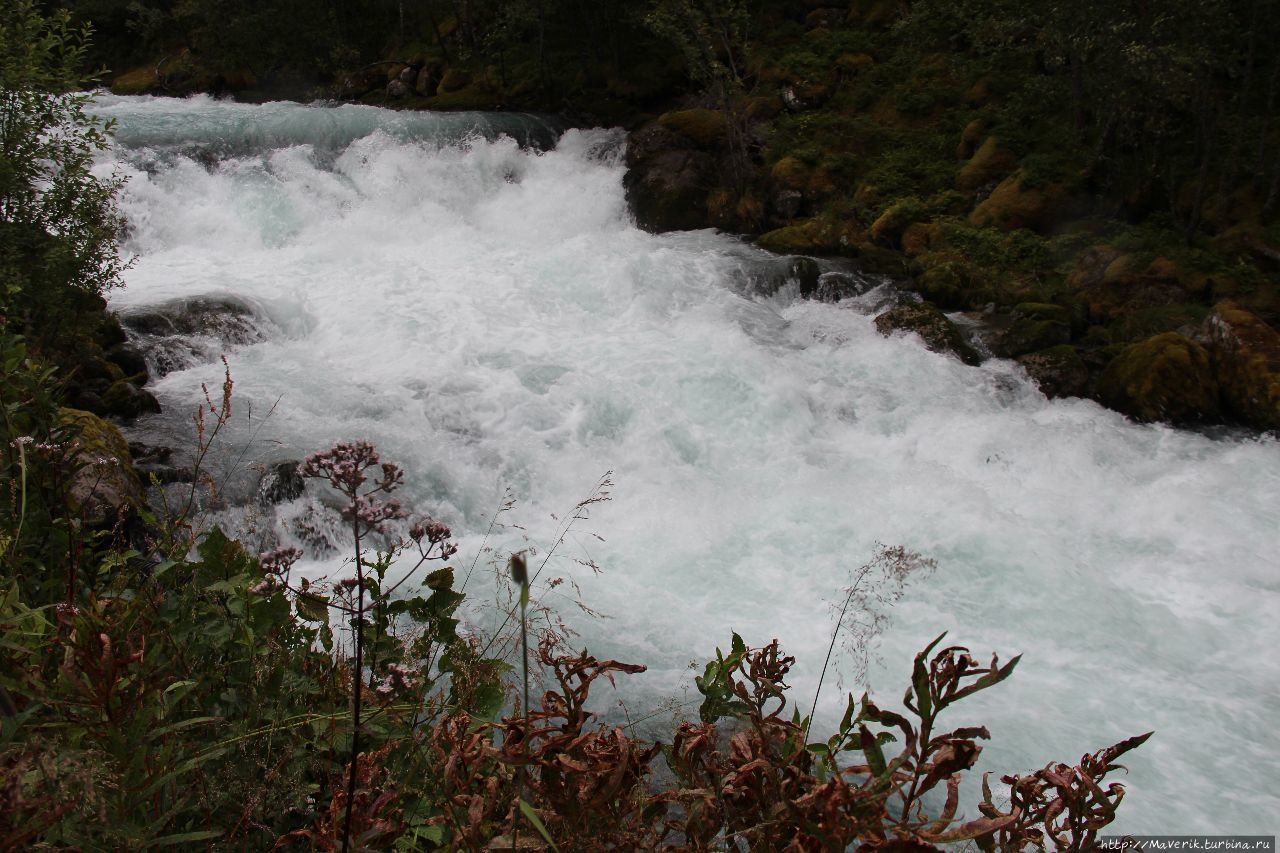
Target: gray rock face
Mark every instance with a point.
(667, 181)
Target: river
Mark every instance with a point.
(469, 293)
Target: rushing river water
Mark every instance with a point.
(485, 312)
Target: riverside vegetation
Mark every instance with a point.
(1096, 184)
(162, 687)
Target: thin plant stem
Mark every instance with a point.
(356, 697)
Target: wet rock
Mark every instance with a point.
(178, 334)
(163, 474)
(806, 271)
(668, 180)
(105, 487)
(1164, 378)
(398, 89)
(126, 400)
(938, 333)
(1246, 364)
(1058, 371)
(281, 483)
(836, 286)
(129, 360)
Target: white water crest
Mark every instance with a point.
(488, 314)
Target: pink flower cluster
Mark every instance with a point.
(399, 679)
(435, 533)
(345, 466)
(279, 561)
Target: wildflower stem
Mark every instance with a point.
(358, 676)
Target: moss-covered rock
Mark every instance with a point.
(875, 14)
(1015, 204)
(1058, 371)
(136, 81)
(919, 238)
(969, 139)
(1028, 334)
(817, 236)
(953, 285)
(926, 320)
(1165, 378)
(105, 485)
(1246, 363)
(705, 128)
(1111, 283)
(991, 162)
(1043, 311)
(888, 228)
(453, 80)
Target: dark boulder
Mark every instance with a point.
(281, 483)
(668, 180)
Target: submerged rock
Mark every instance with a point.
(1168, 377)
(938, 333)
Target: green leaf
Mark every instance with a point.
(870, 747)
(184, 838)
(440, 579)
(532, 817)
(313, 607)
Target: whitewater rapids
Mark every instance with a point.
(469, 293)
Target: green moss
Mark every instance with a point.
(1014, 205)
(938, 333)
(1027, 334)
(704, 127)
(136, 81)
(1164, 378)
(1043, 311)
(991, 162)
